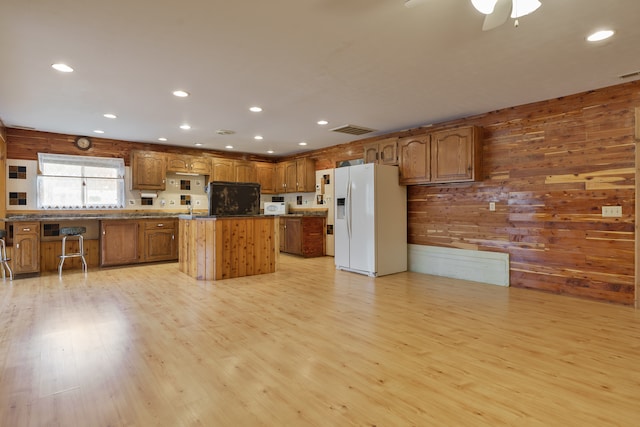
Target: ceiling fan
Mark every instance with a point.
(496, 11)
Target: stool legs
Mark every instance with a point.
(4, 260)
(80, 254)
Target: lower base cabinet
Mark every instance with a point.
(119, 242)
(137, 241)
(25, 253)
(302, 235)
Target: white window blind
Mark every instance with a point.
(79, 182)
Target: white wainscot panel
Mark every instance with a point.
(477, 266)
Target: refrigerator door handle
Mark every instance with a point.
(348, 209)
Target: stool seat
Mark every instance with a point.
(4, 260)
(72, 232)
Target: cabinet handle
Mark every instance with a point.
(161, 225)
(104, 232)
(17, 245)
(173, 237)
(26, 229)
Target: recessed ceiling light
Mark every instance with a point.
(270, 151)
(198, 144)
(255, 109)
(323, 122)
(180, 93)
(302, 143)
(110, 116)
(258, 137)
(98, 131)
(185, 126)
(162, 139)
(63, 68)
(228, 147)
(600, 35)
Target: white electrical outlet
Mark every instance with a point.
(492, 206)
(132, 202)
(612, 211)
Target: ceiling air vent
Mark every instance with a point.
(353, 130)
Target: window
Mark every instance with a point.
(79, 182)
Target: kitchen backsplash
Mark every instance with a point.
(180, 191)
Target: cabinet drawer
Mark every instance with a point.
(160, 225)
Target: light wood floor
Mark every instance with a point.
(309, 346)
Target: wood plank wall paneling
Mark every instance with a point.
(550, 167)
(25, 144)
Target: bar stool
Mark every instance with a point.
(3, 256)
(72, 232)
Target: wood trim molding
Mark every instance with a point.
(637, 227)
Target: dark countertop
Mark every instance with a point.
(89, 216)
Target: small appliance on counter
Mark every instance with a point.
(275, 208)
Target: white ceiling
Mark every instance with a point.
(371, 63)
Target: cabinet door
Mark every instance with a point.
(293, 236)
(119, 242)
(201, 165)
(244, 171)
(222, 170)
(415, 159)
(305, 175)
(160, 245)
(388, 152)
(265, 176)
(26, 248)
(453, 155)
(290, 177)
(148, 170)
(371, 152)
(281, 182)
(176, 163)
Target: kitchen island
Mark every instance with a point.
(223, 247)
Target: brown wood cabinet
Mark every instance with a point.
(222, 170)
(265, 176)
(452, 155)
(188, 164)
(296, 176)
(244, 171)
(148, 170)
(302, 235)
(119, 242)
(383, 152)
(456, 155)
(415, 159)
(25, 254)
(160, 240)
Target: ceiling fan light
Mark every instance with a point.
(484, 6)
(524, 7)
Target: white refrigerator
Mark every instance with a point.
(370, 220)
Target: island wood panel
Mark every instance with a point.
(549, 167)
(50, 255)
(227, 247)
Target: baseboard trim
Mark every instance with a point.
(477, 266)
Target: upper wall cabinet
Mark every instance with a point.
(452, 155)
(265, 176)
(222, 170)
(148, 170)
(415, 159)
(456, 155)
(244, 171)
(188, 164)
(384, 152)
(296, 176)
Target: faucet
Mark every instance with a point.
(190, 208)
